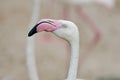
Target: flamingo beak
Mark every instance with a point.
(33, 30)
(44, 25)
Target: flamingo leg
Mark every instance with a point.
(95, 30)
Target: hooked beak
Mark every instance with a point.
(33, 30)
(46, 27)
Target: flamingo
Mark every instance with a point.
(30, 46)
(106, 3)
(79, 11)
(76, 4)
(66, 30)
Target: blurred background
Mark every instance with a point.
(102, 61)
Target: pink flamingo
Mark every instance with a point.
(79, 11)
(109, 4)
(63, 29)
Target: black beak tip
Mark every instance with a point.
(32, 32)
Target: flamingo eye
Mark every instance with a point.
(64, 26)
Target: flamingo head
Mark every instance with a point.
(62, 28)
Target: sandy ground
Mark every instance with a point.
(51, 55)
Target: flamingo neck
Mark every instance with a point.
(72, 74)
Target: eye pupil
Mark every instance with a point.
(64, 26)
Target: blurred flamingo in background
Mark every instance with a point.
(105, 3)
(63, 29)
(77, 6)
(30, 45)
(79, 11)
